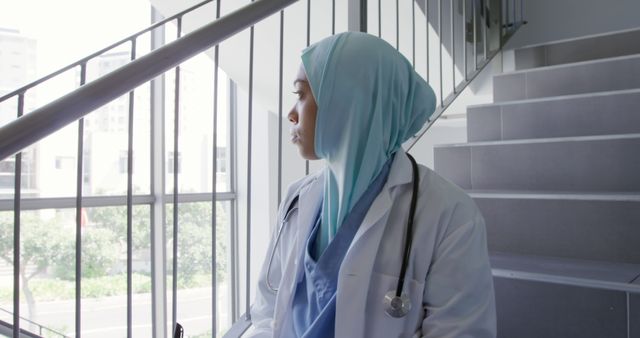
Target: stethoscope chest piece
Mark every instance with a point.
(395, 306)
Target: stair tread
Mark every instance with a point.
(629, 196)
(556, 98)
(543, 140)
(571, 64)
(580, 38)
(565, 270)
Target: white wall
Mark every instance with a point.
(551, 20)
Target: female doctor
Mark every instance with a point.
(347, 244)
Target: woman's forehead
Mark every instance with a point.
(301, 76)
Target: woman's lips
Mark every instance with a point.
(294, 138)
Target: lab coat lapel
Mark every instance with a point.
(357, 267)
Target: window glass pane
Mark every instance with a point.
(32, 48)
(195, 161)
(194, 267)
(47, 268)
(6, 266)
(104, 274)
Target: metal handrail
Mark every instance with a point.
(40, 327)
(32, 127)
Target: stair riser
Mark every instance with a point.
(618, 74)
(528, 309)
(634, 315)
(586, 165)
(579, 50)
(584, 116)
(582, 229)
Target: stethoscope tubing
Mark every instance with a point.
(407, 244)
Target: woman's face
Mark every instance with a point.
(303, 117)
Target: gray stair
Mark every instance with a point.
(591, 227)
(554, 166)
(606, 113)
(588, 163)
(582, 49)
(550, 297)
(574, 78)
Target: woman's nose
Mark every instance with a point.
(293, 116)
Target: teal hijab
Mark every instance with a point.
(370, 101)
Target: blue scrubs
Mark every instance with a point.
(314, 303)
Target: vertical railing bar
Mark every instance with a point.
(363, 16)
(379, 18)
(413, 36)
(484, 32)
(249, 132)
(214, 192)
(464, 37)
(280, 93)
(440, 42)
(475, 47)
(398, 24)
(513, 20)
(306, 162)
(17, 193)
(426, 27)
(453, 46)
(157, 188)
(521, 11)
(333, 17)
(83, 79)
(234, 236)
(176, 164)
(506, 11)
(130, 203)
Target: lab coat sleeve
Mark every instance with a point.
(459, 296)
(262, 309)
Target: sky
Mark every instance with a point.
(67, 30)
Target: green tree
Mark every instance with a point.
(99, 254)
(194, 239)
(115, 219)
(50, 244)
(41, 244)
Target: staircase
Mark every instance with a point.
(554, 166)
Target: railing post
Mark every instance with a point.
(357, 15)
(157, 182)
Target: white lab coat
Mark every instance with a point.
(448, 278)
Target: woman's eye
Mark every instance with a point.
(298, 93)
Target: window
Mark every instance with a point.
(170, 162)
(221, 159)
(65, 163)
(123, 162)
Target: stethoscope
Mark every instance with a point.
(397, 303)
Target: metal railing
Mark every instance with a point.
(485, 31)
(41, 328)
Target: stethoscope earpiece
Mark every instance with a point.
(395, 306)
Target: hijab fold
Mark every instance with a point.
(370, 101)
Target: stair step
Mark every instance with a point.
(596, 226)
(593, 47)
(576, 272)
(585, 163)
(603, 113)
(550, 297)
(609, 74)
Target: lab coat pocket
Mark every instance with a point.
(381, 324)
